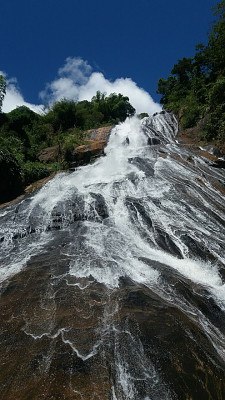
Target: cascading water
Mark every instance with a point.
(112, 277)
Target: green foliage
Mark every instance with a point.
(101, 110)
(62, 115)
(70, 142)
(184, 71)
(143, 115)
(40, 135)
(21, 117)
(33, 171)
(192, 111)
(3, 119)
(217, 93)
(88, 116)
(215, 128)
(165, 87)
(20, 120)
(10, 142)
(196, 85)
(2, 90)
(11, 176)
(215, 48)
(114, 107)
(57, 166)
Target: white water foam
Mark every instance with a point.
(115, 246)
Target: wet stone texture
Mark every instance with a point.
(42, 318)
(65, 338)
(113, 277)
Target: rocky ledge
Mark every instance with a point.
(95, 142)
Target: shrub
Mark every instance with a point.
(62, 115)
(143, 115)
(191, 112)
(215, 128)
(70, 142)
(33, 171)
(11, 177)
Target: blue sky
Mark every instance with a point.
(48, 43)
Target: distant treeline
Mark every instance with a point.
(23, 133)
(196, 86)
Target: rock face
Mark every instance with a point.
(112, 277)
(193, 138)
(96, 141)
(49, 154)
(67, 338)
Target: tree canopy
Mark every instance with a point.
(196, 85)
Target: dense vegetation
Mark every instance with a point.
(23, 133)
(196, 86)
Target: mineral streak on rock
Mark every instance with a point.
(61, 337)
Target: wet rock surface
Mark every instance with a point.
(112, 278)
(61, 337)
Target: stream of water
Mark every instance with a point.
(112, 276)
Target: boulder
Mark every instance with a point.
(96, 140)
(49, 154)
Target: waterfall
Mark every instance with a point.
(118, 268)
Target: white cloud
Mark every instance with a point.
(139, 98)
(72, 76)
(60, 88)
(77, 69)
(76, 81)
(14, 98)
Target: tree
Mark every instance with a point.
(62, 115)
(184, 71)
(10, 173)
(114, 107)
(165, 87)
(20, 120)
(20, 117)
(196, 85)
(216, 43)
(212, 56)
(2, 90)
